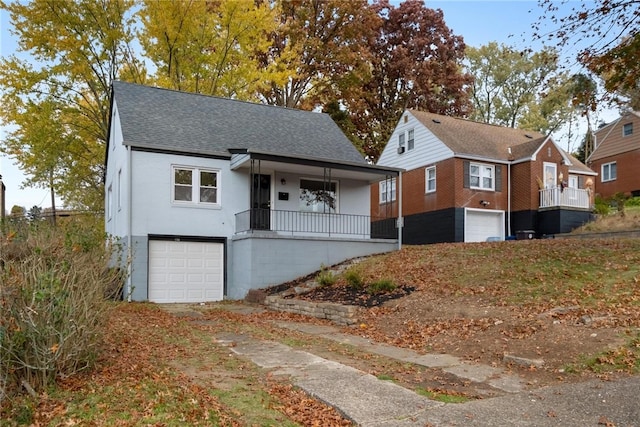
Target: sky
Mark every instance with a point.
(477, 21)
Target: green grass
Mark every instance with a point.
(622, 359)
(442, 397)
(385, 377)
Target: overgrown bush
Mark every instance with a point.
(54, 289)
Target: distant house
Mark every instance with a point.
(616, 156)
(468, 181)
(215, 197)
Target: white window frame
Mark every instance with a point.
(384, 192)
(411, 139)
(319, 207)
(110, 201)
(605, 172)
(427, 179)
(195, 186)
(119, 189)
(627, 129)
(482, 169)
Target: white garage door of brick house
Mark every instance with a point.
(183, 271)
(482, 224)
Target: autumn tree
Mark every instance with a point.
(415, 63)
(212, 48)
(321, 45)
(58, 97)
(609, 31)
(518, 88)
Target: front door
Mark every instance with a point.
(261, 202)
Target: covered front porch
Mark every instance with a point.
(301, 214)
(310, 197)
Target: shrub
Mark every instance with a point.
(381, 286)
(634, 201)
(601, 206)
(325, 277)
(354, 279)
(53, 283)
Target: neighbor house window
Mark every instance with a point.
(481, 176)
(194, 185)
(410, 139)
(401, 146)
(318, 196)
(430, 179)
(609, 172)
(388, 190)
(627, 129)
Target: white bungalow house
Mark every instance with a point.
(213, 197)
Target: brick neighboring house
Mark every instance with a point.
(468, 181)
(616, 156)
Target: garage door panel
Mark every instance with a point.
(182, 271)
(480, 225)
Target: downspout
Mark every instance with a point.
(400, 218)
(129, 226)
(509, 193)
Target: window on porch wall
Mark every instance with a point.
(318, 196)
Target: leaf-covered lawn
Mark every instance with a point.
(161, 370)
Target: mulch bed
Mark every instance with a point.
(351, 296)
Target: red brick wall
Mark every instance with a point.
(628, 171)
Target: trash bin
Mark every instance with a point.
(525, 234)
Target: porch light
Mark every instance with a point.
(283, 181)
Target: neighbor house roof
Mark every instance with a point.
(609, 140)
(465, 137)
(168, 120)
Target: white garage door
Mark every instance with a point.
(479, 225)
(185, 271)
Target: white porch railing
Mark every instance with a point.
(565, 197)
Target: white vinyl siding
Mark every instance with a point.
(427, 149)
(609, 172)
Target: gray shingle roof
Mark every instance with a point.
(163, 119)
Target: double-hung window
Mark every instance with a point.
(609, 172)
(410, 139)
(196, 186)
(627, 129)
(388, 190)
(481, 176)
(430, 179)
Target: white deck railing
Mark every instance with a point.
(565, 197)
